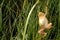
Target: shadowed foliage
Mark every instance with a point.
(13, 17)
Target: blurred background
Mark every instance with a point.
(13, 17)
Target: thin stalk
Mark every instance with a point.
(1, 15)
(46, 11)
(28, 18)
(25, 1)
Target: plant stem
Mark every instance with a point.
(28, 18)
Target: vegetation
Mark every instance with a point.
(19, 20)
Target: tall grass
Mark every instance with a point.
(18, 20)
(28, 18)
